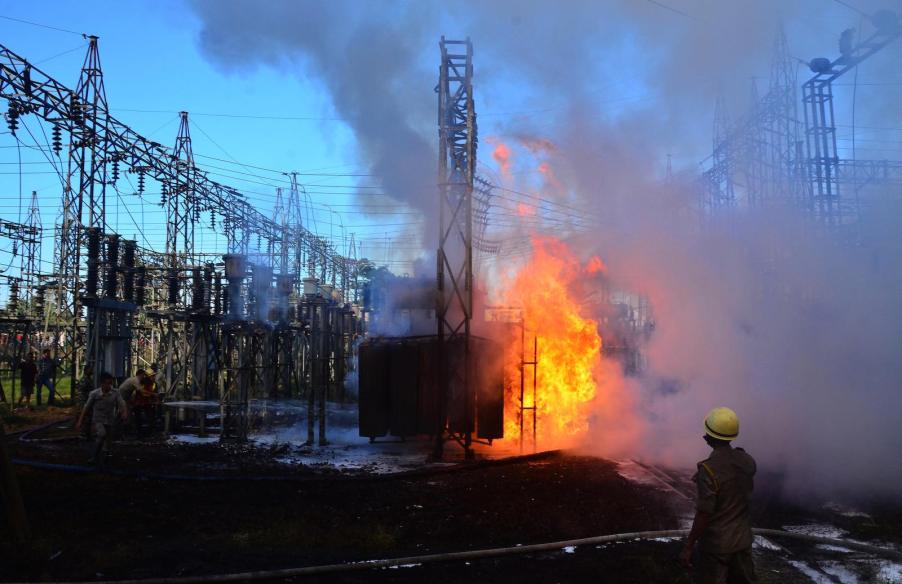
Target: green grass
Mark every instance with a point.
(63, 385)
(21, 418)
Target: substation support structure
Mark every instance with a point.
(454, 307)
(18, 322)
(773, 167)
(826, 202)
(771, 159)
(110, 309)
(718, 190)
(221, 339)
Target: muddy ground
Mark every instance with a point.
(92, 526)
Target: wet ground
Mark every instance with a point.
(178, 507)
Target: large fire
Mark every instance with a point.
(569, 346)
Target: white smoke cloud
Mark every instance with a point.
(799, 335)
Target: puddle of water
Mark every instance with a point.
(840, 572)
(817, 530)
(814, 575)
(766, 544)
(192, 439)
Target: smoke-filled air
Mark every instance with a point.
(658, 284)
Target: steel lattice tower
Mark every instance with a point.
(719, 189)
(456, 166)
(84, 197)
(294, 218)
(31, 246)
(830, 208)
(181, 204)
(774, 175)
(280, 216)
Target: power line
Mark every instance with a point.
(670, 8)
(850, 7)
(215, 143)
(247, 116)
(78, 48)
(43, 25)
(279, 171)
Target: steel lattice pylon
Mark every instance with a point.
(454, 309)
(830, 208)
(181, 205)
(84, 200)
(31, 247)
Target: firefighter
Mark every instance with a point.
(105, 404)
(722, 526)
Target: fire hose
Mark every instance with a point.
(490, 553)
(25, 435)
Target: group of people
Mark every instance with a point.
(35, 376)
(134, 404)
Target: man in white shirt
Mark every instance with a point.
(105, 404)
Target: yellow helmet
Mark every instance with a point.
(722, 424)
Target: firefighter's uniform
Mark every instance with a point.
(725, 482)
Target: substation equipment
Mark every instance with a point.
(772, 158)
(273, 320)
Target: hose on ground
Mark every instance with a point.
(490, 553)
(26, 434)
(407, 474)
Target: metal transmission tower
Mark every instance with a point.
(454, 310)
(33, 91)
(181, 204)
(830, 208)
(719, 190)
(757, 161)
(31, 247)
(772, 150)
(287, 213)
(353, 260)
(84, 197)
(280, 257)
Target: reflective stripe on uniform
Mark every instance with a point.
(712, 475)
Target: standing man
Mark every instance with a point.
(128, 389)
(105, 404)
(131, 385)
(722, 526)
(144, 405)
(46, 373)
(28, 372)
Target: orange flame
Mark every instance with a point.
(596, 266)
(524, 210)
(552, 183)
(569, 347)
(502, 155)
